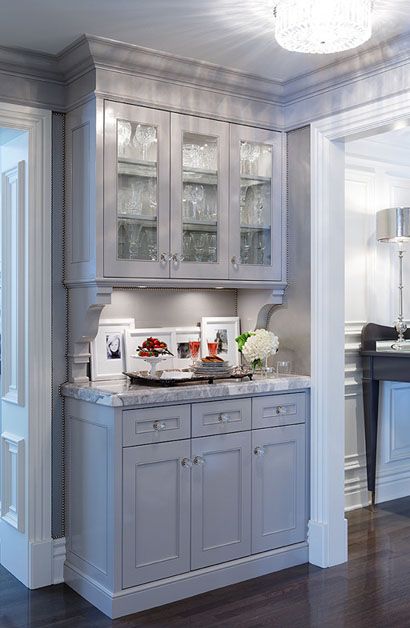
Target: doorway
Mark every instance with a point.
(328, 527)
(25, 423)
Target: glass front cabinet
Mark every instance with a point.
(190, 198)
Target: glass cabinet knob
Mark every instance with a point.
(223, 418)
(259, 451)
(198, 460)
(165, 258)
(159, 426)
(280, 410)
(235, 261)
(186, 463)
(177, 258)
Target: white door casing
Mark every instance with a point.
(327, 526)
(25, 523)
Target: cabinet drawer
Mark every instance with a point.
(156, 425)
(221, 417)
(275, 410)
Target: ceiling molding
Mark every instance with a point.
(109, 54)
(51, 79)
(358, 66)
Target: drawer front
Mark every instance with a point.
(156, 425)
(221, 417)
(276, 410)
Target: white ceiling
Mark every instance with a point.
(233, 33)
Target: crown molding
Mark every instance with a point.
(380, 58)
(107, 54)
(60, 81)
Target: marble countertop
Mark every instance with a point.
(119, 393)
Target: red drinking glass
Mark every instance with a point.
(194, 346)
(213, 348)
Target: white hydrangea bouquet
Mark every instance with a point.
(256, 346)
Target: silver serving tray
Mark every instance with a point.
(143, 377)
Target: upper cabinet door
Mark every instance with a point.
(199, 198)
(136, 191)
(256, 216)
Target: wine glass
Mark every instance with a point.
(197, 196)
(194, 346)
(124, 131)
(144, 136)
(249, 155)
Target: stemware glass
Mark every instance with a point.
(194, 346)
(249, 156)
(152, 197)
(124, 131)
(212, 241)
(144, 136)
(200, 247)
(197, 197)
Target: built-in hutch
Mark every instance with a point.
(176, 177)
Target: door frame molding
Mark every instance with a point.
(37, 567)
(327, 525)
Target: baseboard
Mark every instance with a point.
(322, 552)
(393, 485)
(59, 554)
(161, 592)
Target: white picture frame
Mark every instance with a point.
(227, 329)
(135, 337)
(182, 337)
(108, 349)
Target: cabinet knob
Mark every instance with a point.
(223, 418)
(198, 460)
(159, 426)
(177, 258)
(235, 261)
(259, 451)
(280, 410)
(186, 463)
(165, 258)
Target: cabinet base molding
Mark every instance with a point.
(143, 597)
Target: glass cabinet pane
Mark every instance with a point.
(199, 198)
(137, 191)
(255, 203)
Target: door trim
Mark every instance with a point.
(35, 570)
(327, 526)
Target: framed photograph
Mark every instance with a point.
(223, 330)
(182, 337)
(108, 349)
(135, 337)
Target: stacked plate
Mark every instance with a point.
(212, 369)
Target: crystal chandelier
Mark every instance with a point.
(322, 26)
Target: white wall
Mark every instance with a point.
(377, 176)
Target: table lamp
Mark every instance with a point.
(393, 225)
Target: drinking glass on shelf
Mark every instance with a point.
(124, 131)
(194, 346)
(201, 243)
(249, 156)
(213, 348)
(283, 367)
(143, 138)
(197, 197)
(191, 156)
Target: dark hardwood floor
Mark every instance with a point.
(371, 590)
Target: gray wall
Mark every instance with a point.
(162, 307)
(291, 321)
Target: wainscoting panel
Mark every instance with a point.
(13, 284)
(12, 480)
(371, 296)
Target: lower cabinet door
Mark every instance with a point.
(156, 511)
(221, 498)
(278, 487)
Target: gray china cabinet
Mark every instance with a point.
(185, 198)
(171, 500)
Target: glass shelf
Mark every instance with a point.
(137, 218)
(130, 168)
(255, 227)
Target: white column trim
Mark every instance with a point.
(327, 528)
(36, 568)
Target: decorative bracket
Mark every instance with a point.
(255, 306)
(85, 305)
